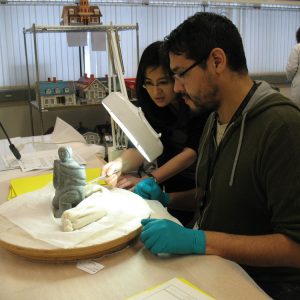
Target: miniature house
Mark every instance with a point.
(92, 137)
(130, 87)
(82, 14)
(90, 90)
(56, 93)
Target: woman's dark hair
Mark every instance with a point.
(202, 32)
(298, 35)
(153, 57)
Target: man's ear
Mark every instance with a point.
(219, 59)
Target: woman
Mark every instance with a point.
(169, 115)
(293, 70)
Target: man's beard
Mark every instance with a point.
(211, 102)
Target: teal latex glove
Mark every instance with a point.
(165, 236)
(149, 189)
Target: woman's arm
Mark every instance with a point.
(172, 167)
(175, 165)
(130, 160)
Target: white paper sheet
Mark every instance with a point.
(43, 160)
(174, 289)
(7, 160)
(76, 39)
(98, 41)
(33, 213)
(65, 133)
(39, 152)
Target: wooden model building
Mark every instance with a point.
(82, 14)
(90, 90)
(130, 86)
(57, 93)
(92, 137)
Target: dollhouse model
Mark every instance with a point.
(130, 87)
(56, 93)
(90, 90)
(82, 14)
(92, 137)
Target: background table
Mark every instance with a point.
(126, 272)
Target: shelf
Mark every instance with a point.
(85, 28)
(35, 105)
(110, 30)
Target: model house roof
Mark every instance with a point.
(59, 87)
(85, 82)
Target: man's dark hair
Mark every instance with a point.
(202, 32)
(298, 35)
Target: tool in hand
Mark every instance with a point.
(102, 177)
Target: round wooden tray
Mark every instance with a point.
(17, 241)
(59, 255)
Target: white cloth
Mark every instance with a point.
(32, 212)
(293, 73)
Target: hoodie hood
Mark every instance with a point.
(259, 102)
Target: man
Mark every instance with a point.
(249, 163)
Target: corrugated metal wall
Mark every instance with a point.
(268, 36)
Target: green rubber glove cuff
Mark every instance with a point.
(165, 199)
(199, 242)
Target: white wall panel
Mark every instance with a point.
(268, 38)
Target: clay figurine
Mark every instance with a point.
(69, 181)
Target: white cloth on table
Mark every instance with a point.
(32, 212)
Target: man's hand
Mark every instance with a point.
(165, 236)
(149, 189)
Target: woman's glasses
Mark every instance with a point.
(162, 84)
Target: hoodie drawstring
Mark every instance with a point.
(237, 154)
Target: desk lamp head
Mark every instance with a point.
(134, 124)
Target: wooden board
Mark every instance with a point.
(59, 255)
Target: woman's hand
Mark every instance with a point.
(128, 182)
(112, 170)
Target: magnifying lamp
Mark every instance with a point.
(132, 121)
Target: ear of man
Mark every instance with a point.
(218, 59)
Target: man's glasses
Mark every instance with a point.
(160, 85)
(180, 75)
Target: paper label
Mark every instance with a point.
(89, 266)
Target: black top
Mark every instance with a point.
(179, 129)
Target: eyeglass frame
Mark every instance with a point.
(180, 75)
(158, 85)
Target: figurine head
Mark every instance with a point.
(65, 153)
